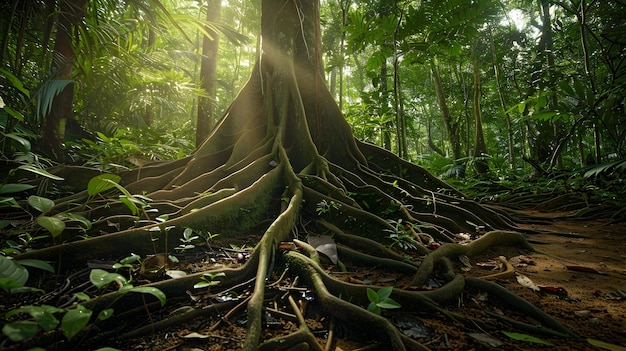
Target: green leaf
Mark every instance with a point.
(39, 203)
(84, 222)
(46, 93)
(102, 183)
(605, 345)
(108, 349)
(12, 274)
(525, 337)
(45, 319)
(14, 188)
(131, 205)
(41, 172)
(23, 142)
(82, 296)
(54, 225)
(15, 81)
(130, 259)
(101, 278)
(75, 320)
(544, 116)
(105, 314)
(374, 308)
(152, 291)
(372, 296)
(388, 303)
(9, 201)
(384, 292)
(205, 284)
(15, 114)
(21, 330)
(35, 263)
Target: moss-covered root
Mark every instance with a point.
(302, 339)
(277, 232)
(487, 241)
(369, 323)
(521, 305)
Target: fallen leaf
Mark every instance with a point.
(326, 245)
(465, 260)
(555, 290)
(525, 337)
(195, 335)
(175, 274)
(413, 327)
(605, 345)
(522, 261)
(526, 282)
(486, 339)
(584, 269)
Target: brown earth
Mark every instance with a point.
(580, 270)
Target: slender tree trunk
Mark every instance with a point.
(384, 92)
(452, 126)
(208, 67)
(344, 11)
(480, 149)
(507, 116)
(399, 104)
(71, 12)
(149, 115)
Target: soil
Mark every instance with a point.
(579, 271)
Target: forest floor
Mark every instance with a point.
(580, 272)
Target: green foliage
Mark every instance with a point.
(208, 280)
(75, 318)
(401, 234)
(381, 300)
(188, 240)
(13, 274)
(325, 207)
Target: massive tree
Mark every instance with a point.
(281, 167)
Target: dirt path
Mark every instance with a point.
(588, 260)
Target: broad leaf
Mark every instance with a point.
(21, 330)
(152, 291)
(12, 274)
(54, 225)
(101, 278)
(35, 263)
(105, 314)
(102, 183)
(372, 296)
(388, 303)
(75, 320)
(39, 203)
(384, 292)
